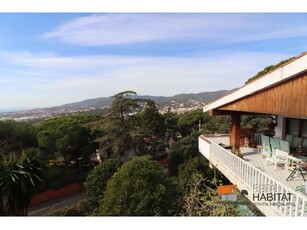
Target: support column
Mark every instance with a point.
(235, 130)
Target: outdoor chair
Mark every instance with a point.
(289, 139)
(266, 147)
(284, 146)
(274, 144)
(278, 157)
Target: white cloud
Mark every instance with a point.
(109, 29)
(47, 81)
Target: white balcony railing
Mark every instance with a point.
(250, 178)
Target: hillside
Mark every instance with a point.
(177, 103)
(204, 97)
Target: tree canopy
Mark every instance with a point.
(132, 127)
(182, 151)
(139, 188)
(68, 137)
(201, 200)
(117, 139)
(17, 135)
(96, 181)
(190, 121)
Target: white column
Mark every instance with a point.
(281, 127)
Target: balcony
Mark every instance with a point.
(266, 186)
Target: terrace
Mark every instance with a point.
(282, 94)
(251, 174)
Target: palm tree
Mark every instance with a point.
(20, 174)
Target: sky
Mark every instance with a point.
(49, 59)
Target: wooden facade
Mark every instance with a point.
(283, 92)
(287, 99)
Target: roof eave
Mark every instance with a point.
(275, 77)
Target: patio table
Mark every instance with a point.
(296, 158)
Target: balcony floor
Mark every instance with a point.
(280, 174)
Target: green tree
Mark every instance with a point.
(189, 121)
(115, 141)
(215, 124)
(152, 121)
(69, 137)
(47, 143)
(149, 132)
(202, 200)
(72, 142)
(170, 123)
(259, 123)
(96, 181)
(17, 135)
(66, 121)
(200, 165)
(20, 174)
(117, 132)
(81, 208)
(139, 188)
(183, 150)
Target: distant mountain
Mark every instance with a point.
(177, 103)
(95, 102)
(205, 97)
(10, 110)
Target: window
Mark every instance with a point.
(293, 127)
(304, 129)
(296, 127)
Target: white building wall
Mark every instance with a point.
(281, 127)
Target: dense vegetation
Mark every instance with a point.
(67, 138)
(268, 69)
(134, 141)
(139, 188)
(97, 179)
(20, 174)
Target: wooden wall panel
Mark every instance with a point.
(288, 98)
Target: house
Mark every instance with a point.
(282, 93)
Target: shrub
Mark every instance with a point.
(97, 179)
(81, 208)
(139, 188)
